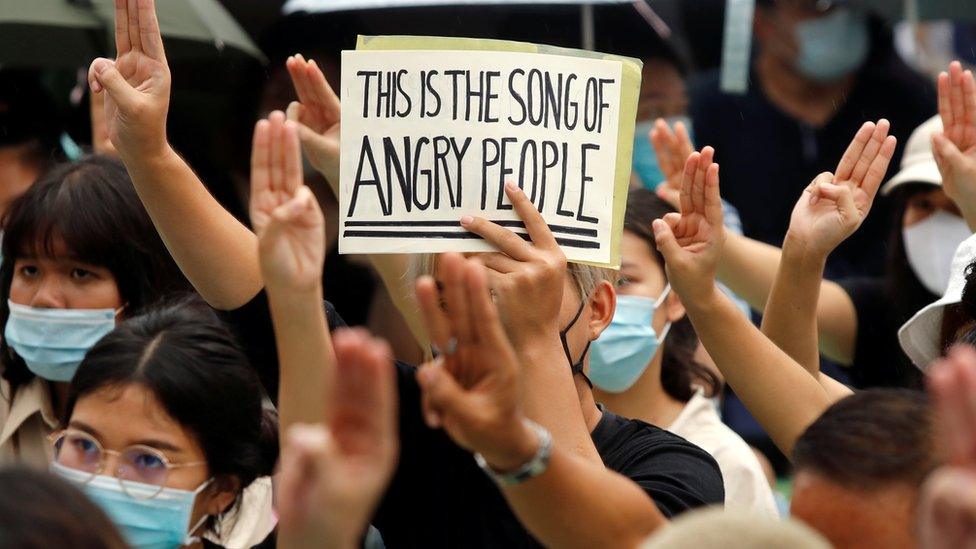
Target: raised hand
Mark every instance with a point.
(947, 510)
(332, 477)
(833, 206)
(318, 114)
(472, 389)
(136, 82)
(527, 277)
(284, 212)
(672, 147)
(691, 241)
(955, 147)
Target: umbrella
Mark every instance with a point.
(586, 9)
(70, 33)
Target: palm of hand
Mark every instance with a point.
(327, 126)
(294, 251)
(694, 232)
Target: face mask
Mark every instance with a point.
(930, 246)
(626, 347)
(575, 366)
(53, 342)
(645, 159)
(161, 522)
(832, 46)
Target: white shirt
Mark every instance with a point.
(746, 487)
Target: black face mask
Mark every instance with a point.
(575, 366)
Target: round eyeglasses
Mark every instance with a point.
(142, 471)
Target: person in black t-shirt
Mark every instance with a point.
(578, 477)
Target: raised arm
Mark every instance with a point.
(319, 115)
(748, 267)
(955, 147)
(782, 396)
(473, 392)
(291, 232)
(135, 88)
(831, 208)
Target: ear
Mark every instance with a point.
(603, 303)
(673, 307)
(221, 496)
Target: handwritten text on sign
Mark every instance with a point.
(429, 136)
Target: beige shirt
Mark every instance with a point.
(27, 419)
(746, 487)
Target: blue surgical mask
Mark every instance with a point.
(53, 342)
(627, 345)
(645, 159)
(833, 46)
(159, 522)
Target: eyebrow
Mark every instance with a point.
(152, 443)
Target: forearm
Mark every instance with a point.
(576, 503)
(779, 393)
(550, 398)
(392, 269)
(748, 267)
(305, 356)
(790, 317)
(216, 252)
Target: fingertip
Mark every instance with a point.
(466, 220)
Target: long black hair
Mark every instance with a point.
(92, 207)
(188, 360)
(679, 369)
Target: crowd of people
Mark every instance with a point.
(174, 377)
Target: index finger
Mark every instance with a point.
(122, 44)
(435, 319)
(324, 94)
(879, 167)
(945, 111)
(260, 159)
(535, 224)
(847, 162)
(151, 39)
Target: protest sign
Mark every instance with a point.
(433, 128)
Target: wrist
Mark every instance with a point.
(797, 251)
(521, 446)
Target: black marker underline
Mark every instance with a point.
(569, 242)
(504, 223)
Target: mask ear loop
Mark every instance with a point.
(190, 539)
(658, 303)
(575, 367)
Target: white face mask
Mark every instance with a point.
(930, 246)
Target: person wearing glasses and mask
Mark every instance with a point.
(165, 428)
(820, 69)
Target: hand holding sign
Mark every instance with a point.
(137, 82)
(284, 213)
(955, 148)
(528, 278)
(692, 241)
(833, 206)
(318, 114)
(477, 400)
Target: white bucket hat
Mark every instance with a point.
(918, 163)
(920, 337)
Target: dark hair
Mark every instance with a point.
(194, 367)
(92, 207)
(968, 299)
(871, 439)
(39, 510)
(679, 369)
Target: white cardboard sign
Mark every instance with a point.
(430, 136)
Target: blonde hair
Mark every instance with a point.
(586, 277)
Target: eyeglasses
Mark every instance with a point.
(137, 466)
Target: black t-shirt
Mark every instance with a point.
(768, 157)
(440, 498)
(878, 358)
